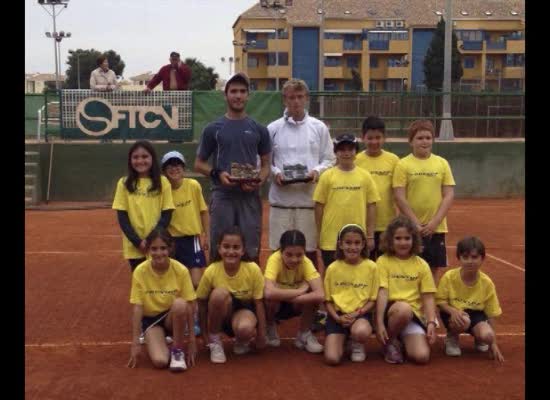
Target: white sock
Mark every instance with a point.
(304, 335)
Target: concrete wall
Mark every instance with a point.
(89, 172)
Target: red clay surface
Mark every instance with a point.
(77, 323)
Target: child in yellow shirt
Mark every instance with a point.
(468, 301)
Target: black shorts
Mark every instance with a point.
(476, 317)
(158, 320)
(328, 256)
(333, 327)
(374, 254)
(414, 318)
(434, 250)
(134, 262)
(188, 251)
(236, 305)
(286, 311)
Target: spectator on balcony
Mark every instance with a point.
(102, 78)
(174, 76)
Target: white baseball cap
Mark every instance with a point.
(172, 154)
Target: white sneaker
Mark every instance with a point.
(217, 355)
(177, 361)
(452, 347)
(169, 340)
(481, 347)
(272, 335)
(357, 352)
(240, 348)
(309, 342)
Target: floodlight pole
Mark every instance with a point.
(446, 128)
(54, 34)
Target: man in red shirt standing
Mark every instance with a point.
(174, 76)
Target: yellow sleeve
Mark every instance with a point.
(200, 198)
(120, 201)
(167, 201)
(136, 293)
(399, 175)
(373, 196)
(310, 273)
(327, 284)
(205, 285)
(448, 179)
(320, 193)
(492, 307)
(271, 269)
(382, 274)
(375, 284)
(188, 291)
(442, 294)
(427, 284)
(258, 293)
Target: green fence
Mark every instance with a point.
(474, 114)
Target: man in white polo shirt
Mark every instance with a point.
(302, 150)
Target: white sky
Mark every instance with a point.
(143, 32)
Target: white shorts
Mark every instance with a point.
(284, 219)
(412, 328)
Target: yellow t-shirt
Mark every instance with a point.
(156, 292)
(406, 280)
(143, 208)
(423, 180)
(247, 284)
(345, 195)
(288, 278)
(189, 202)
(381, 169)
(482, 296)
(350, 287)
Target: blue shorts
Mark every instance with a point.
(286, 311)
(332, 326)
(237, 305)
(476, 317)
(188, 251)
(146, 322)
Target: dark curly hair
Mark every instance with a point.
(401, 221)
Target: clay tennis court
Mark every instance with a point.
(77, 326)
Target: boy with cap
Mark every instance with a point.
(344, 195)
(189, 223)
(235, 138)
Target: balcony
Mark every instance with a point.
(281, 45)
(514, 73)
(389, 46)
(471, 45)
(333, 72)
(397, 73)
(515, 46)
(283, 71)
(379, 45)
(500, 45)
(257, 73)
(352, 46)
(333, 46)
(261, 44)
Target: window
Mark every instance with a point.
(470, 36)
(396, 62)
(253, 85)
(331, 85)
(515, 60)
(469, 62)
(332, 35)
(333, 61)
(373, 61)
(372, 86)
(253, 62)
(251, 36)
(271, 59)
(393, 85)
(281, 34)
(352, 62)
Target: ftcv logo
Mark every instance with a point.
(97, 117)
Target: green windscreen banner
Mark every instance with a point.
(157, 115)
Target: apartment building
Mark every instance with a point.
(383, 42)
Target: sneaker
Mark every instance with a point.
(393, 354)
(240, 348)
(357, 352)
(319, 321)
(169, 340)
(272, 335)
(309, 342)
(452, 347)
(177, 361)
(217, 355)
(197, 328)
(481, 347)
(142, 338)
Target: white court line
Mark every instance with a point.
(505, 262)
(125, 343)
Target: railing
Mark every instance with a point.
(379, 44)
(470, 45)
(501, 45)
(355, 45)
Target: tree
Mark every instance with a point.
(202, 78)
(433, 62)
(356, 80)
(86, 61)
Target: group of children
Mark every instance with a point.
(379, 267)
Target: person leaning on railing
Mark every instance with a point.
(102, 78)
